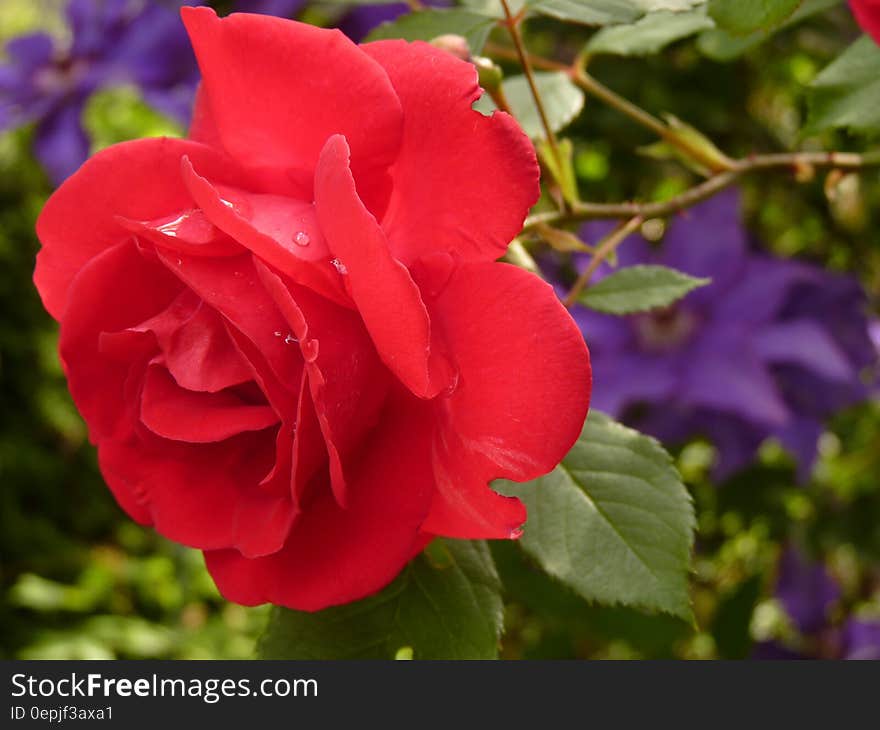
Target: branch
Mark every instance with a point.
(604, 249)
(705, 190)
(512, 24)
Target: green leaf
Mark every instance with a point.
(562, 169)
(847, 92)
(650, 34)
(723, 45)
(639, 289)
(741, 17)
(613, 521)
(445, 605)
(426, 25)
(608, 12)
(562, 101)
(492, 8)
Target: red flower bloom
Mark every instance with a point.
(287, 333)
(867, 13)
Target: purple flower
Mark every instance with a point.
(361, 20)
(771, 347)
(113, 42)
(808, 592)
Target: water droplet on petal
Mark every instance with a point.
(277, 333)
(339, 266)
(180, 262)
(301, 238)
(290, 339)
(310, 350)
(516, 533)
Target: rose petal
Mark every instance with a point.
(187, 231)
(184, 415)
(232, 287)
(311, 83)
(195, 346)
(206, 496)
(455, 165)
(521, 397)
(281, 231)
(347, 380)
(383, 290)
(336, 555)
(137, 180)
(115, 290)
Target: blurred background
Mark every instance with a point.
(787, 560)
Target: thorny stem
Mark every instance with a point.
(512, 23)
(604, 249)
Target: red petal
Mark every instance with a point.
(208, 495)
(116, 290)
(184, 415)
(383, 290)
(137, 180)
(463, 182)
(282, 231)
(203, 128)
(867, 13)
(195, 346)
(521, 398)
(187, 231)
(347, 380)
(336, 555)
(278, 89)
(232, 287)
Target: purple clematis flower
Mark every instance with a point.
(808, 592)
(771, 347)
(113, 42)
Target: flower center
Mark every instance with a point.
(664, 329)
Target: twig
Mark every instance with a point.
(708, 188)
(603, 250)
(512, 23)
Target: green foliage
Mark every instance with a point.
(117, 114)
(741, 17)
(724, 45)
(639, 289)
(613, 521)
(608, 12)
(430, 23)
(445, 605)
(562, 101)
(650, 34)
(847, 93)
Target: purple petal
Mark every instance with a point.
(735, 383)
(806, 343)
(279, 8)
(61, 143)
(619, 382)
(361, 20)
(801, 439)
(30, 51)
(861, 639)
(708, 241)
(763, 289)
(806, 589)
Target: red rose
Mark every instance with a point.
(287, 333)
(867, 13)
